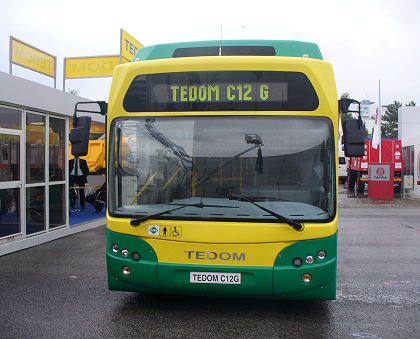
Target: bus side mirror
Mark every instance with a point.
(354, 139)
(79, 136)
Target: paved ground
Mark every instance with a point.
(59, 290)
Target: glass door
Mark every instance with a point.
(56, 172)
(10, 176)
(35, 173)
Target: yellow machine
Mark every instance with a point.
(96, 156)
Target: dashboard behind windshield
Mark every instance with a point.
(283, 163)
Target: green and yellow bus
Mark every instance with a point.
(222, 175)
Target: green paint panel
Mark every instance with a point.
(288, 282)
(289, 48)
(143, 276)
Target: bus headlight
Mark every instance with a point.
(135, 256)
(126, 270)
(322, 255)
(115, 248)
(310, 259)
(297, 262)
(125, 253)
(306, 278)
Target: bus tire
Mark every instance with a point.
(351, 180)
(360, 186)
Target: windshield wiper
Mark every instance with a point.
(296, 225)
(137, 221)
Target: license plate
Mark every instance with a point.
(215, 278)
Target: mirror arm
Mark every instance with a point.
(344, 104)
(103, 106)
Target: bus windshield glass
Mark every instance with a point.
(206, 164)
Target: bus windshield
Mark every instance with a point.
(205, 164)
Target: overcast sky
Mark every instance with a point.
(366, 41)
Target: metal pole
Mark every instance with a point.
(64, 75)
(55, 72)
(10, 54)
(380, 123)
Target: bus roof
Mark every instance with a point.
(290, 48)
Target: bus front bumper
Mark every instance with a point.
(283, 280)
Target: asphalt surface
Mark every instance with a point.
(59, 290)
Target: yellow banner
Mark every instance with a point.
(91, 67)
(129, 46)
(32, 58)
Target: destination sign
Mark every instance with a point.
(221, 92)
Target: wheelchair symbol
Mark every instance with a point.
(176, 231)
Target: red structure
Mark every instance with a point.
(381, 181)
(358, 168)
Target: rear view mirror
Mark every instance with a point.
(79, 136)
(354, 139)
